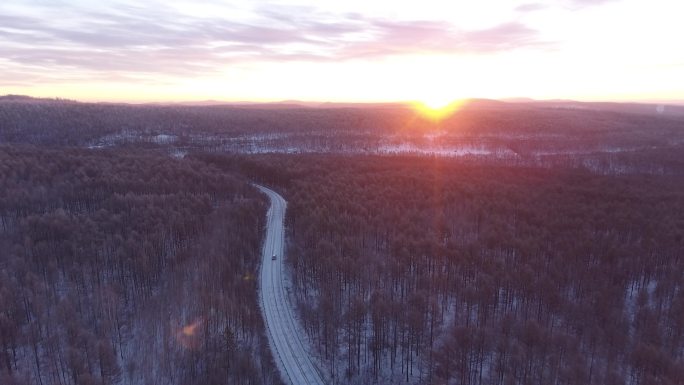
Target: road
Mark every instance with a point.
(284, 334)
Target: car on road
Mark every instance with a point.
(273, 258)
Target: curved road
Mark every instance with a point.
(287, 345)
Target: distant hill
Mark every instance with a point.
(30, 99)
(673, 109)
(635, 108)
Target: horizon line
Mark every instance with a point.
(200, 102)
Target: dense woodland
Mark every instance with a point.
(119, 267)
(552, 257)
(531, 134)
(435, 271)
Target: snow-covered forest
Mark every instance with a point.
(121, 267)
(512, 243)
(431, 271)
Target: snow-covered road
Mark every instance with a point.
(284, 334)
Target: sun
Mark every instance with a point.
(437, 102)
(437, 108)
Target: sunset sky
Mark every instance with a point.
(351, 50)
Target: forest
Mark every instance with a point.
(428, 270)
(512, 243)
(528, 134)
(126, 267)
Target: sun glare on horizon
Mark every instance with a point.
(438, 108)
(437, 102)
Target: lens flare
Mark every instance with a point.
(189, 330)
(188, 335)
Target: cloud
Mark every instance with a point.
(393, 38)
(126, 38)
(530, 7)
(572, 4)
(591, 2)
(580, 4)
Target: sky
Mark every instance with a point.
(342, 50)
